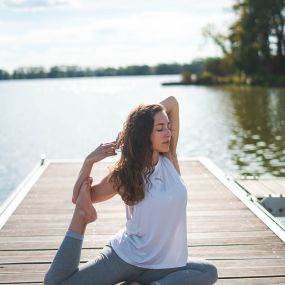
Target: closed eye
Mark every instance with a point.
(161, 129)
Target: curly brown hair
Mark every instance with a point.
(135, 164)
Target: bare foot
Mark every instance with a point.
(84, 206)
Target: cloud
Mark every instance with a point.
(36, 4)
(146, 38)
(151, 28)
(91, 37)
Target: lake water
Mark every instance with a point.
(241, 129)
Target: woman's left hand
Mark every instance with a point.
(101, 152)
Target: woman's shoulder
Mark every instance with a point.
(168, 156)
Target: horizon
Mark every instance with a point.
(103, 67)
(102, 34)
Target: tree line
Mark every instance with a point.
(253, 47)
(76, 71)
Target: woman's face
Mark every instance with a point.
(161, 133)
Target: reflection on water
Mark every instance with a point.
(257, 145)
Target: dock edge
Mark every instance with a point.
(249, 200)
(16, 197)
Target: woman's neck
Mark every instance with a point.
(155, 158)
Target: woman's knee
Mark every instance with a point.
(212, 272)
(48, 280)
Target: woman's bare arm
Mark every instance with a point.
(103, 190)
(101, 152)
(172, 109)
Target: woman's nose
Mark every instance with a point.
(168, 132)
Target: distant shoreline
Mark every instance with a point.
(95, 76)
(225, 83)
(77, 71)
(179, 83)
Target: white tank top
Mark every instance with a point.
(155, 235)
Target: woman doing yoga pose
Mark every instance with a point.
(152, 247)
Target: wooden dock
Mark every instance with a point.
(223, 227)
(263, 187)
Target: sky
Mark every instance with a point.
(101, 33)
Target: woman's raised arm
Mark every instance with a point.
(172, 109)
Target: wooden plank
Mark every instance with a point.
(263, 187)
(193, 239)
(275, 188)
(111, 228)
(40, 256)
(241, 268)
(281, 181)
(255, 188)
(229, 238)
(20, 278)
(272, 280)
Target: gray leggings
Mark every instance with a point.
(108, 269)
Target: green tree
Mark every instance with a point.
(255, 43)
(4, 75)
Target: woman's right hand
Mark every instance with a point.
(101, 152)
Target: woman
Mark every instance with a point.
(152, 248)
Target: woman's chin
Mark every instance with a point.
(164, 150)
